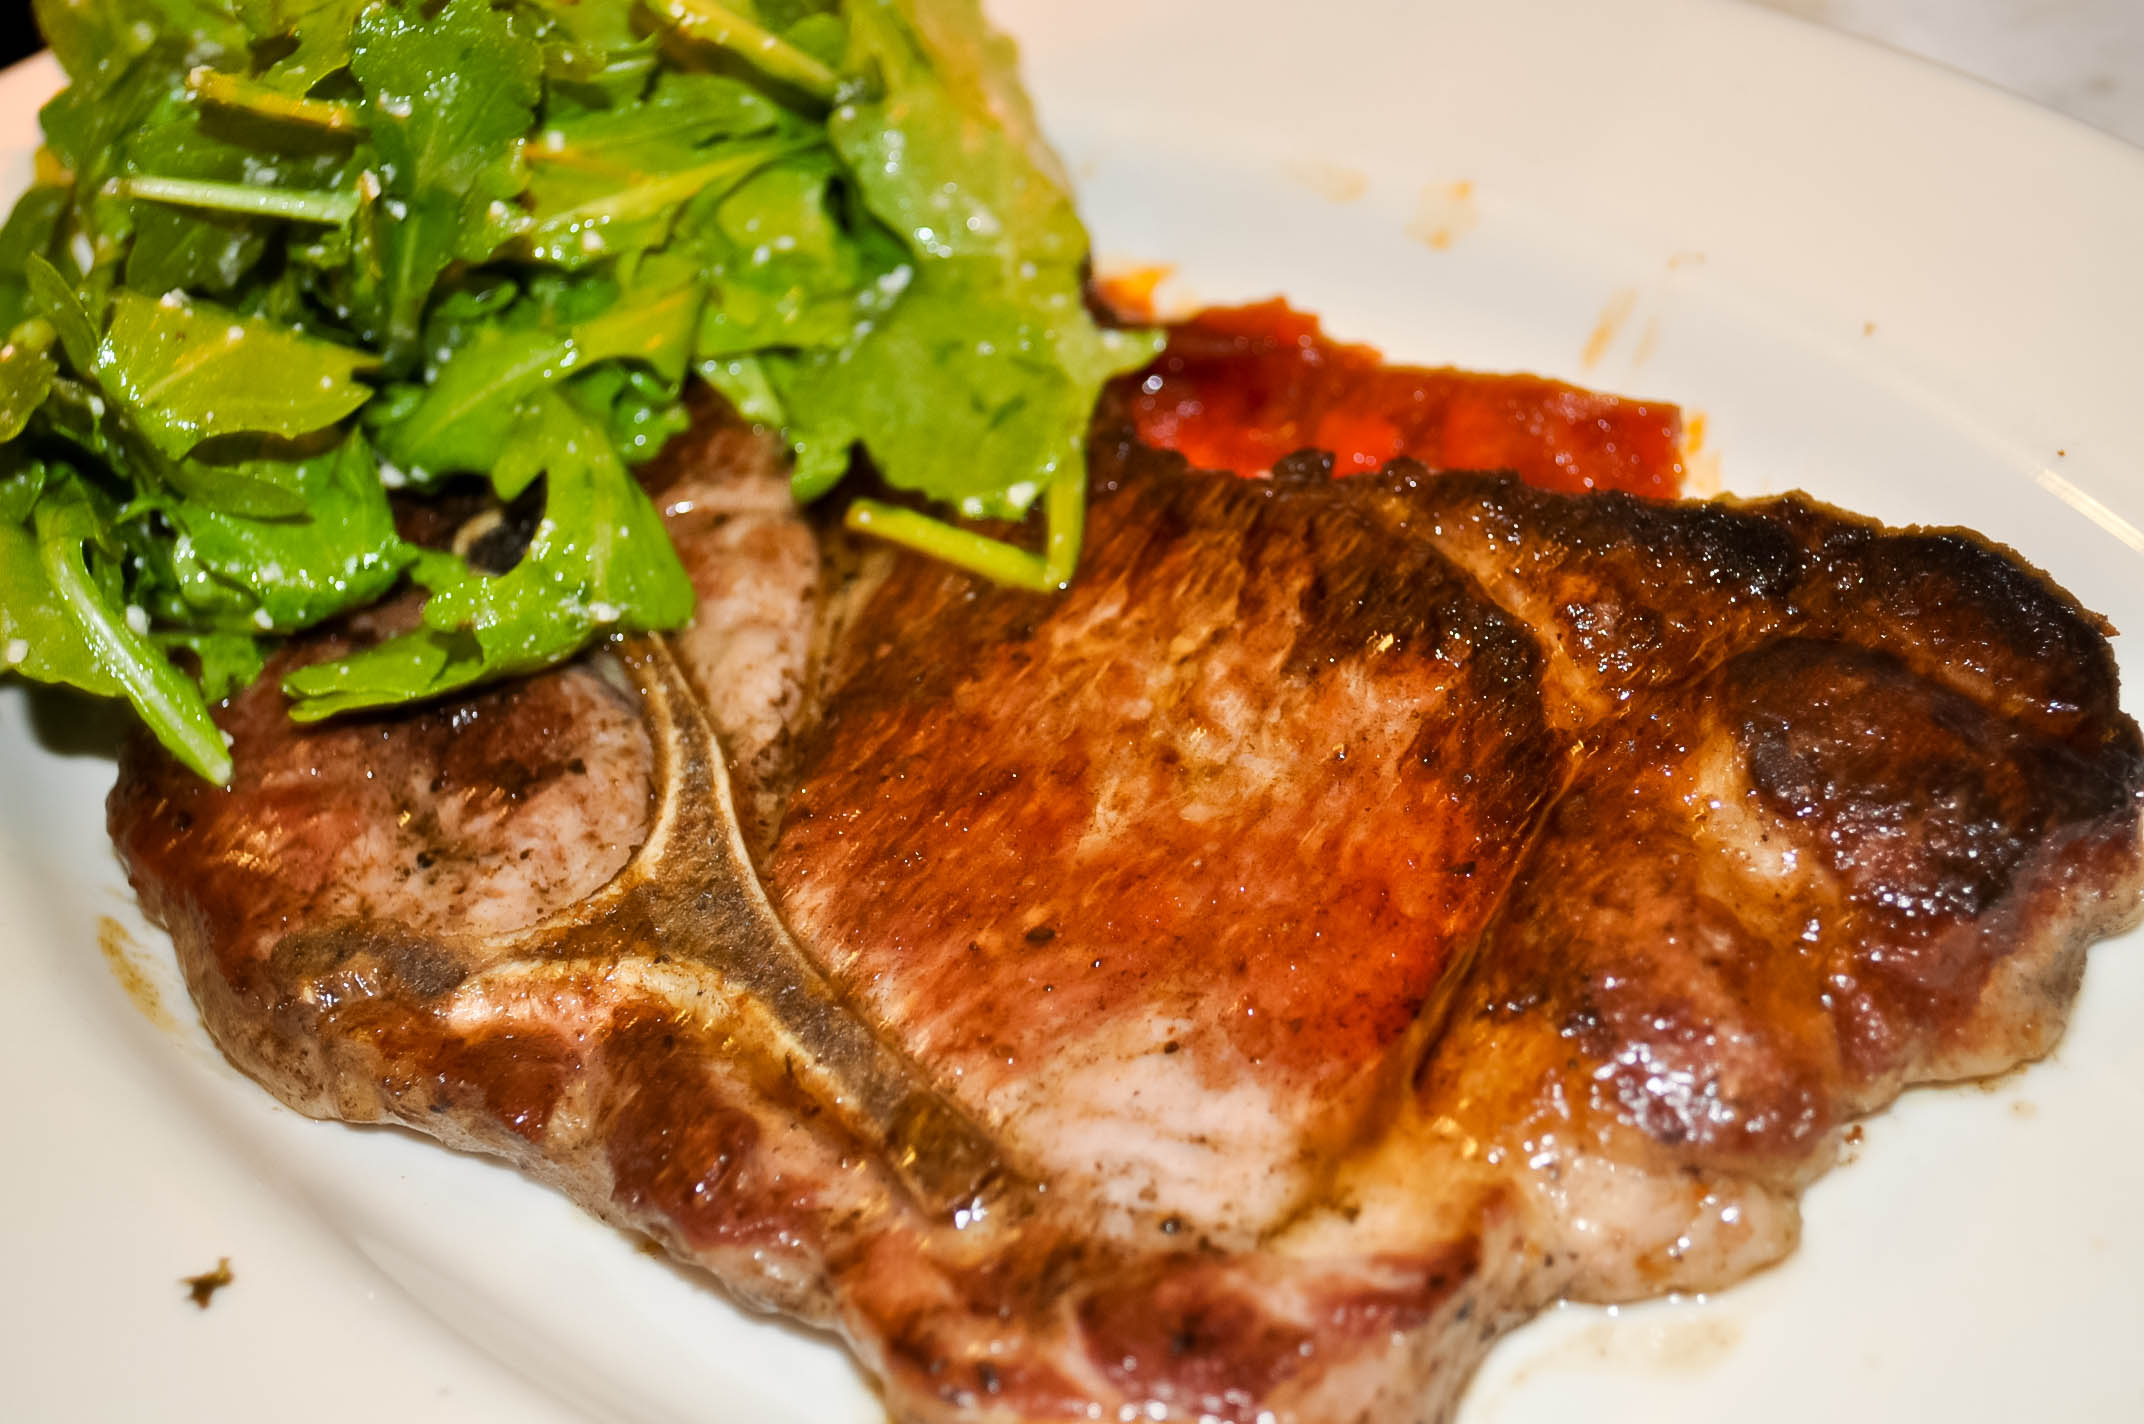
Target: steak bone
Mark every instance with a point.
(687, 915)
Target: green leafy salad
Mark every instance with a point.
(283, 257)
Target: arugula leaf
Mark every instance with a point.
(341, 552)
(249, 489)
(1005, 413)
(55, 301)
(738, 31)
(284, 256)
(226, 661)
(319, 33)
(930, 155)
(90, 40)
(197, 247)
(979, 68)
(408, 668)
(600, 543)
(87, 123)
(177, 250)
(186, 371)
(20, 486)
(595, 209)
(466, 416)
(594, 53)
(995, 311)
(743, 382)
(37, 637)
(682, 113)
(791, 275)
(32, 230)
(636, 405)
(67, 522)
(26, 372)
(599, 561)
(258, 100)
(450, 97)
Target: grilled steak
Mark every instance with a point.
(1357, 914)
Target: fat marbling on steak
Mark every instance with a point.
(1359, 913)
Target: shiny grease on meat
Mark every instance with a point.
(1363, 911)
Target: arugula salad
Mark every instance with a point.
(282, 257)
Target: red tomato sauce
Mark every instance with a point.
(1240, 387)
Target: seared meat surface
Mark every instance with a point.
(1356, 914)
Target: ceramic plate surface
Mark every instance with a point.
(1873, 280)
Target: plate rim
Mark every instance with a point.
(509, 1403)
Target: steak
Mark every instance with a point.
(1359, 913)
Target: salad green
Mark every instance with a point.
(283, 257)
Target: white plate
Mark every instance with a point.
(1875, 280)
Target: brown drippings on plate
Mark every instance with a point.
(1610, 325)
(119, 951)
(202, 1289)
(1444, 213)
(1333, 182)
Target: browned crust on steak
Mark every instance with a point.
(1570, 872)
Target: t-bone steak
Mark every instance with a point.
(1357, 914)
